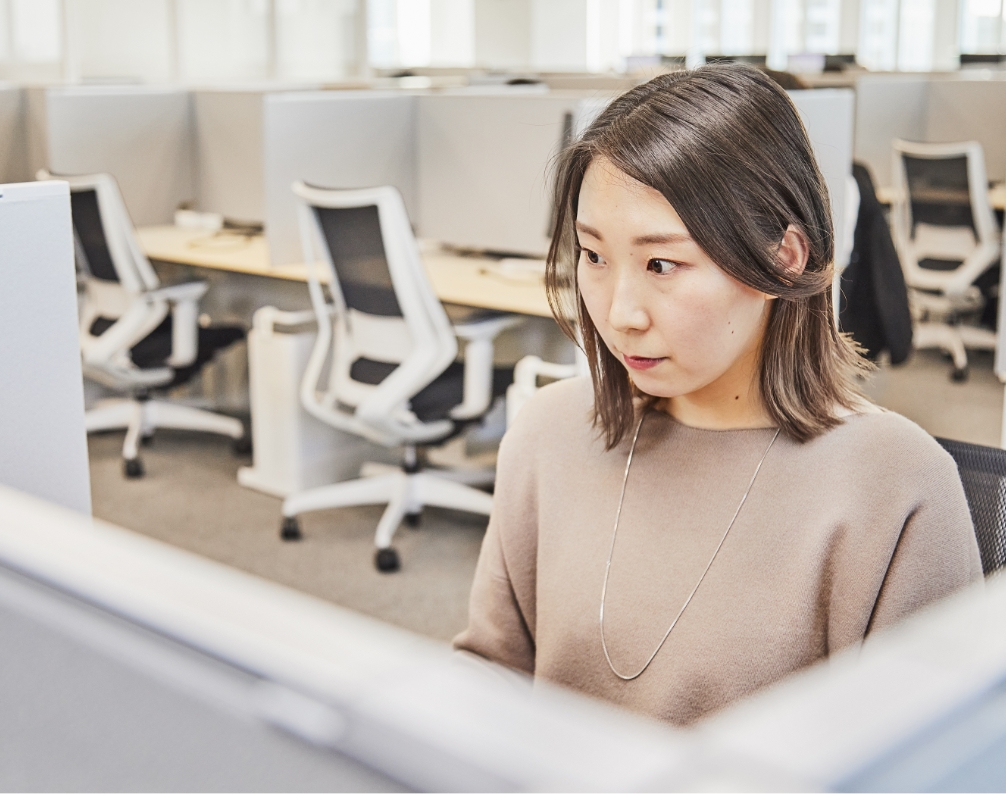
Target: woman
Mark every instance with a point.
(718, 506)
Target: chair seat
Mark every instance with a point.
(154, 350)
(445, 392)
(462, 315)
(944, 265)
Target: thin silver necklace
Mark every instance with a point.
(611, 551)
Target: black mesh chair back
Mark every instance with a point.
(91, 245)
(983, 473)
(353, 238)
(939, 192)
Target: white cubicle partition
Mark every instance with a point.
(43, 445)
(133, 665)
(13, 135)
(888, 106)
(484, 163)
(229, 133)
(140, 135)
(340, 139)
(930, 108)
(970, 110)
(827, 114)
(228, 142)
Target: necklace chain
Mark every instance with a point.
(611, 551)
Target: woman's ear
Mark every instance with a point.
(793, 252)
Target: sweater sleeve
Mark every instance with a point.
(936, 553)
(501, 615)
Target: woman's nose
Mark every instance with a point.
(628, 304)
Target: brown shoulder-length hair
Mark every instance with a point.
(726, 148)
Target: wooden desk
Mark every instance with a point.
(465, 280)
(997, 196)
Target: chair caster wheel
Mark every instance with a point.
(242, 446)
(959, 375)
(290, 529)
(386, 560)
(413, 520)
(147, 441)
(132, 468)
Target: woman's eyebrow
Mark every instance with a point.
(583, 227)
(657, 239)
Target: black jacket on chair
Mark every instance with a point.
(874, 296)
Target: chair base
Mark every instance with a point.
(141, 417)
(955, 340)
(406, 493)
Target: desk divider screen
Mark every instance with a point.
(141, 135)
(43, 445)
(336, 139)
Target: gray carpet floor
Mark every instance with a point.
(190, 498)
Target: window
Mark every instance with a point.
(224, 40)
(878, 35)
(981, 26)
(35, 24)
(822, 26)
(915, 40)
(315, 39)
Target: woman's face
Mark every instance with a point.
(679, 324)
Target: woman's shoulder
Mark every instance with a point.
(562, 410)
(877, 439)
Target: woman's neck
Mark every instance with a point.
(731, 402)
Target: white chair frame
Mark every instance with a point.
(954, 290)
(422, 342)
(138, 304)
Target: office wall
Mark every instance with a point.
(888, 106)
(827, 115)
(142, 136)
(43, 445)
(970, 110)
(483, 167)
(342, 139)
(13, 135)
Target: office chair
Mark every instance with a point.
(947, 237)
(983, 473)
(383, 366)
(136, 336)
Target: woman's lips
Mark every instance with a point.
(640, 362)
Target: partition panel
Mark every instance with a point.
(970, 110)
(888, 106)
(827, 115)
(43, 445)
(339, 139)
(140, 135)
(13, 135)
(484, 161)
(228, 143)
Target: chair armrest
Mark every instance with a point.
(478, 377)
(525, 381)
(176, 293)
(486, 329)
(184, 300)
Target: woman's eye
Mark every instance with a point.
(660, 266)
(592, 256)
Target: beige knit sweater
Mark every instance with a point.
(839, 537)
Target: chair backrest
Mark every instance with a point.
(386, 330)
(942, 218)
(106, 246)
(983, 473)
